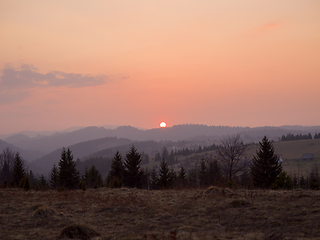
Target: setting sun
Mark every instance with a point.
(163, 124)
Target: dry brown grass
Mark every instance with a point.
(171, 214)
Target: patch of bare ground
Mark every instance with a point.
(169, 214)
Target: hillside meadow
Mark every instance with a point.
(212, 213)
(291, 152)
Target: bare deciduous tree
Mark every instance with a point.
(231, 156)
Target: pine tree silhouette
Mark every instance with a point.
(265, 167)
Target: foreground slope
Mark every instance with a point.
(172, 214)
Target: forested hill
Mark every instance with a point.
(79, 150)
(27, 155)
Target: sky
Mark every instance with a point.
(214, 62)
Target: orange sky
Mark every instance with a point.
(225, 62)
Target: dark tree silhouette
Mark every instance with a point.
(6, 165)
(154, 179)
(18, 171)
(230, 154)
(54, 177)
(182, 176)
(115, 176)
(133, 173)
(93, 178)
(164, 174)
(68, 174)
(265, 167)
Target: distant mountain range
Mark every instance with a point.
(28, 155)
(45, 148)
(48, 143)
(79, 150)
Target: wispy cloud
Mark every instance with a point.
(16, 84)
(28, 77)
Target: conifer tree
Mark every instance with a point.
(68, 174)
(54, 177)
(265, 167)
(94, 178)
(63, 168)
(133, 173)
(172, 177)
(154, 179)
(116, 173)
(182, 176)
(164, 175)
(18, 170)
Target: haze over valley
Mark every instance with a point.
(41, 150)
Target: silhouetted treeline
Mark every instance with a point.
(187, 151)
(14, 172)
(292, 137)
(172, 157)
(127, 171)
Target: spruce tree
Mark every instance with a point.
(18, 170)
(154, 179)
(265, 167)
(63, 168)
(182, 176)
(133, 173)
(164, 175)
(172, 177)
(68, 174)
(94, 178)
(54, 177)
(115, 176)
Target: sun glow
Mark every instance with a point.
(163, 124)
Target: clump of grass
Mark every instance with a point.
(43, 213)
(213, 190)
(239, 203)
(78, 232)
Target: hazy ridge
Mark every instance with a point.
(97, 142)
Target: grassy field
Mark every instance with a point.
(291, 152)
(173, 214)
